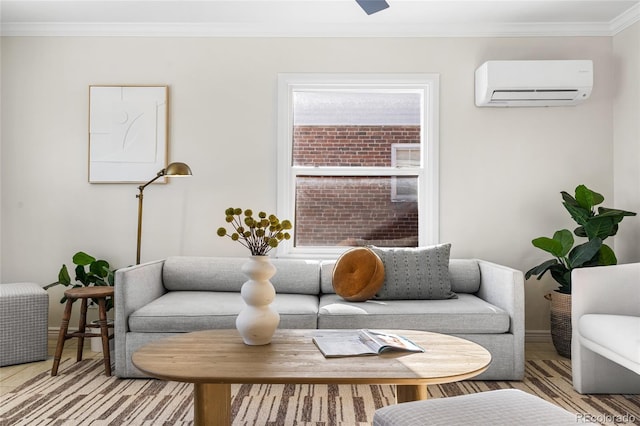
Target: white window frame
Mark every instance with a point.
(428, 184)
(394, 163)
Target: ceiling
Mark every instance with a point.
(404, 18)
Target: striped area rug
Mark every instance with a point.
(82, 395)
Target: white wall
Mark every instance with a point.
(501, 169)
(626, 140)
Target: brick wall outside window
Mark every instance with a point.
(336, 210)
(367, 146)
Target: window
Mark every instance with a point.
(357, 161)
(404, 155)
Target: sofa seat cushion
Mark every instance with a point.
(468, 314)
(186, 311)
(616, 337)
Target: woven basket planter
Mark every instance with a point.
(561, 322)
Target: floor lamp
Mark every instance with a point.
(172, 170)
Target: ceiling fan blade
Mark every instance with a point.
(372, 6)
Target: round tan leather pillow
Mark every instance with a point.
(358, 274)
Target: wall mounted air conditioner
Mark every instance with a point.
(533, 83)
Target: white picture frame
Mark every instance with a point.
(128, 133)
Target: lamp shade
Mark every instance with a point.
(177, 169)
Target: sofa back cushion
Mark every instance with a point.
(464, 275)
(184, 273)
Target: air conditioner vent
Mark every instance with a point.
(533, 83)
(534, 95)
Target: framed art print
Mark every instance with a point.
(128, 128)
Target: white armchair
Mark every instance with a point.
(605, 311)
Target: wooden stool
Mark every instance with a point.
(100, 293)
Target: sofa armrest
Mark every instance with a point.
(504, 287)
(611, 289)
(135, 287)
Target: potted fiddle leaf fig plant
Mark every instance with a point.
(594, 224)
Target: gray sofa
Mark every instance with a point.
(183, 294)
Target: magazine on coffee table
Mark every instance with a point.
(362, 342)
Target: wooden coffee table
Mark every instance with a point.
(214, 359)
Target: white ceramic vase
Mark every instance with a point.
(258, 320)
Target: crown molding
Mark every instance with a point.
(625, 20)
(312, 18)
(74, 29)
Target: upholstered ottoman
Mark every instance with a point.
(500, 407)
(24, 313)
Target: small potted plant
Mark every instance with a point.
(89, 271)
(593, 224)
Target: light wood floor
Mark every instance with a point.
(14, 375)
